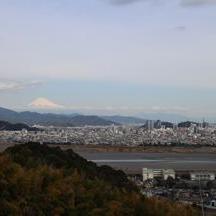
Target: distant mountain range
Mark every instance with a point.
(166, 117)
(125, 119)
(79, 120)
(15, 127)
(34, 118)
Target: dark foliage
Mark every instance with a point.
(38, 180)
(32, 154)
(15, 127)
(186, 124)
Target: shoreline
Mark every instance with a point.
(132, 159)
(127, 149)
(146, 149)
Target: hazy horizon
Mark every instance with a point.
(109, 56)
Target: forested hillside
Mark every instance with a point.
(38, 180)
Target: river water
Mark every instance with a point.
(134, 162)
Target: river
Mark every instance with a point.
(134, 162)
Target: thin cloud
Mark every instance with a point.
(128, 2)
(123, 2)
(183, 3)
(181, 28)
(169, 109)
(10, 85)
(186, 3)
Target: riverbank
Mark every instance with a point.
(145, 149)
(133, 159)
(127, 149)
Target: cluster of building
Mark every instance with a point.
(195, 188)
(149, 174)
(150, 134)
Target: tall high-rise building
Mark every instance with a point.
(150, 124)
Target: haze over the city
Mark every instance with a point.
(109, 56)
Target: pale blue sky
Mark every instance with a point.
(119, 55)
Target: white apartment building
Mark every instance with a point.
(162, 173)
(202, 176)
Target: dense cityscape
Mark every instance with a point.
(152, 133)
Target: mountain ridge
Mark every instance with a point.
(130, 120)
(51, 119)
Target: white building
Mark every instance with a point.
(168, 173)
(147, 174)
(161, 173)
(202, 176)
